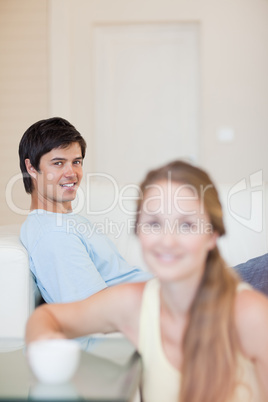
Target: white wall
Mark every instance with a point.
(233, 74)
(233, 70)
(23, 88)
(146, 97)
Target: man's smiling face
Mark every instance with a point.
(59, 176)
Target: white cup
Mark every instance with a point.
(53, 361)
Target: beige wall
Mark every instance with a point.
(234, 65)
(23, 87)
(233, 74)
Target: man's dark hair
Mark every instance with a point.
(41, 138)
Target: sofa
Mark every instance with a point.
(111, 209)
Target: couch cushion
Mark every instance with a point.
(15, 285)
(255, 272)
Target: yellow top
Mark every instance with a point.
(161, 381)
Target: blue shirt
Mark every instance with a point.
(69, 260)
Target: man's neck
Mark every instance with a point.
(56, 207)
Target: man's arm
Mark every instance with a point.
(117, 269)
(63, 268)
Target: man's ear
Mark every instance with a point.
(30, 169)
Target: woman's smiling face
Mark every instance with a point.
(175, 232)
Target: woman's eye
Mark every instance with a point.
(154, 226)
(186, 224)
(150, 227)
(186, 227)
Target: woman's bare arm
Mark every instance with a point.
(113, 309)
(251, 314)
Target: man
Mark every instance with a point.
(68, 264)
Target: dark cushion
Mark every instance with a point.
(255, 272)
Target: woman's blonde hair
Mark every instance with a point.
(210, 342)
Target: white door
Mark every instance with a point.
(131, 87)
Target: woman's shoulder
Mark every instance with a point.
(133, 291)
(129, 296)
(129, 299)
(249, 301)
(251, 318)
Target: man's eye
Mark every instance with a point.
(77, 162)
(58, 163)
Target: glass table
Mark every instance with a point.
(109, 371)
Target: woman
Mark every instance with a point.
(201, 333)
